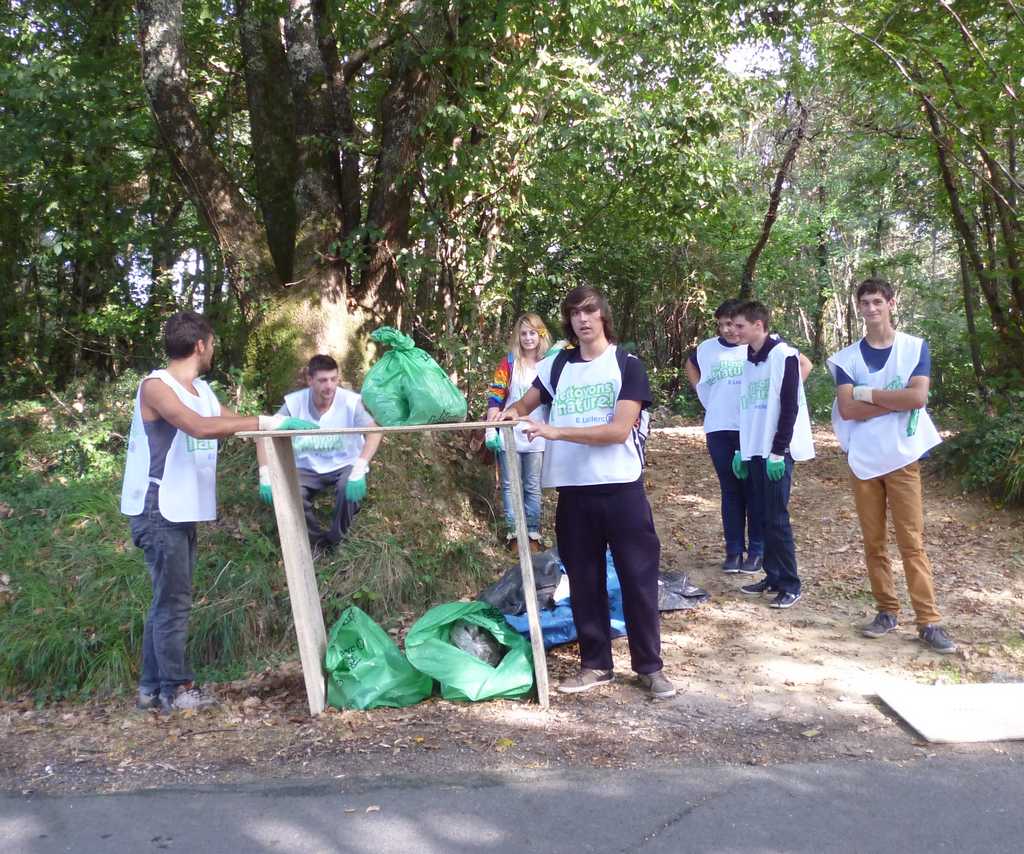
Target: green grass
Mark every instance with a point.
(73, 625)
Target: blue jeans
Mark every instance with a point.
(779, 546)
(530, 465)
(740, 510)
(169, 549)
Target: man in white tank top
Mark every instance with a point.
(339, 462)
(169, 485)
(880, 420)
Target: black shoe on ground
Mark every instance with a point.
(732, 564)
(752, 565)
(784, 600)
(883, 623)
(147, 701)
(758, 587)
(935, 636)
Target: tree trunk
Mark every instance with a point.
(747, 279)
(970, 299)
(211, 188)
(412, 93)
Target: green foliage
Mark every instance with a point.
(80, 588)
(988, 453)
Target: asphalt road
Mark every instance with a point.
(938, 805)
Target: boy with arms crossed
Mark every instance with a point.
(880, 420)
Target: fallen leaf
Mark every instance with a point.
(503, 744)
(810, 733)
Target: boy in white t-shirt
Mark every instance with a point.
(880, 419)
(594, 457)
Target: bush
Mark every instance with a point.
(988, 453)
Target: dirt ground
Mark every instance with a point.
(757, 686)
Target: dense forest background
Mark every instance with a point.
(303, 171)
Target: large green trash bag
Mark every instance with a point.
(407, 387)
(366, 669)
(464, 676)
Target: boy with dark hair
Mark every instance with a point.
(339, 462)
(594, 457)
(169, 485)
(880, 420)
(715, 370)
(775, 430)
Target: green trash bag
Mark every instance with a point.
(464, 676)
(366, 669)
(407, 387)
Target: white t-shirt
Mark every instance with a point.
(882, 445)
(188, 488)
(721, 371)
(346, 410)
(586, 396)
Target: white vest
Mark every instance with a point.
(881, 445)
(586, 397)
(721, 370)
(760, 407)
(520, 383)
(346, 410)
(188, 489)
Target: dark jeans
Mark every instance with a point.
(779, 546)
(740, 512)
(169, 549)
(588, 521)
(310, 484)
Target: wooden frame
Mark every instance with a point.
(303, 593)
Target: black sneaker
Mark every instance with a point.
(883, 623)
(732, 564)
(752, 565)
(784, 600)
(935, 636)
(758, 587)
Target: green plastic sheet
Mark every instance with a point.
(463, 676)
(407, 387)
(366, 669)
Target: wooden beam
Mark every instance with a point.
(415, 428)
(540, 662)
(307, 614)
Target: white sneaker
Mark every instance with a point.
(188, 697)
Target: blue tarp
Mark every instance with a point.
(557, 624)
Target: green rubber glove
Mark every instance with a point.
(284, 422)
(739, 467)
(355, 488)
(775, 467)
(266, 496)
(492, 440)
(298, 424)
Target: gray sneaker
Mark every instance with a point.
(147, 700)
(883, 623)
(585, 680)
(935, 636)
(657, 684)
(187, 697)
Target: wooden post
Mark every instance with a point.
(540, 662)
(307, 615)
